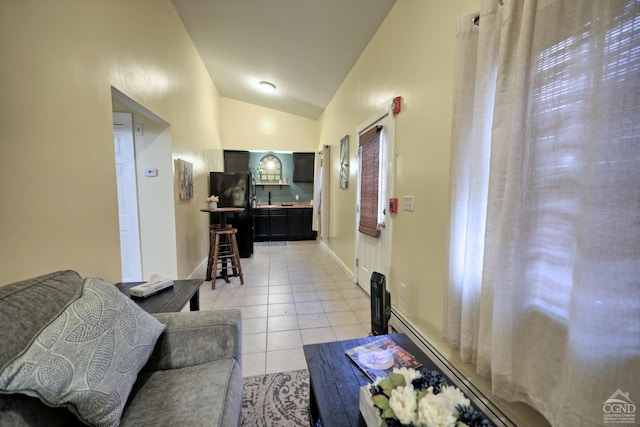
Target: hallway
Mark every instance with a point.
(295, 293)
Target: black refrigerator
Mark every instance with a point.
(235, 190)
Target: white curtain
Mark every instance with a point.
(321, 188)
(544, 270)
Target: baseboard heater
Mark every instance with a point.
(400, 324)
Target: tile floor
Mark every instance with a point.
(295, 293)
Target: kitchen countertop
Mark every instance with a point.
(285, 205)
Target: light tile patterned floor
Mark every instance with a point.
(294, 294)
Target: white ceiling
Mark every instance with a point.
(305, 47)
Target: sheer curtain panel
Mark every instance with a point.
(544, 266)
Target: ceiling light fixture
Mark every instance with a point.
(267, 86)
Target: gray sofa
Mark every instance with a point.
(189, 369)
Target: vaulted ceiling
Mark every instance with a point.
(305, 48)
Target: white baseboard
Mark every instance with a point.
(200, 268)
(342, 265)
(403, 325)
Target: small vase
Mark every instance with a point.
(213, 205)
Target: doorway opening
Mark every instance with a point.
(153, 180)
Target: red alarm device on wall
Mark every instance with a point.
(393, 205)
(396, 105)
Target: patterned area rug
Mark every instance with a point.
(280, 399)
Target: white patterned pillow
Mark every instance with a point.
(89, 357)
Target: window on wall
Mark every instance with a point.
(271, 168)
(563, 153)
(545, 201)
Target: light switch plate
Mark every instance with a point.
(150, 172)
(407, 203)
(138, 129)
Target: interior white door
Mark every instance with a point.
(127, 197)
(374, 254)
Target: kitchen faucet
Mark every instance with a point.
(269, 198)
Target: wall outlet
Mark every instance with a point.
(403, 291)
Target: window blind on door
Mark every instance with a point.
(369, 181)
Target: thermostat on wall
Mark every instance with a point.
(151, 172)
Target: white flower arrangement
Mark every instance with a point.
(409, 397)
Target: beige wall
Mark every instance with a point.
(251, 127)
(412, 55)
(57, 176)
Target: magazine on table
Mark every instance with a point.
(379, 357)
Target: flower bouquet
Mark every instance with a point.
(417, 398)
(213, 202)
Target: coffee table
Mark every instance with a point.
(170, 299)
(335, 380)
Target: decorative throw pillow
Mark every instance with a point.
(89, 357)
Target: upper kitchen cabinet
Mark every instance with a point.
(236, 161)
(303, 164)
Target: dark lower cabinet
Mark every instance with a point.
(278, 225)
(261, 224)
(284, 224)
(295, 224)
(307, 224)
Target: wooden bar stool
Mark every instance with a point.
(223, 250)
(212, 237)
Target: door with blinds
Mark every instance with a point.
(373, 236)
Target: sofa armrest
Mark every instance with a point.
(197, 337)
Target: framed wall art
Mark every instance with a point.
(185, 175)
(344, 162)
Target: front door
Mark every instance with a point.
(374, 254)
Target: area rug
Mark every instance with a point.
(280, 399)
(274, 243)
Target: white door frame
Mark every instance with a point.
(125, 163)
(385, 118)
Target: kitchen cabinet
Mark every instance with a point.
(303, 167)
(295, 224)
(307, 224)
(291, 223)
(236, 161)
(278, 224)
(261, 225)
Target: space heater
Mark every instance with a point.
(380, 305)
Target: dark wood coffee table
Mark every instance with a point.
(170, 299)
(335, 380)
